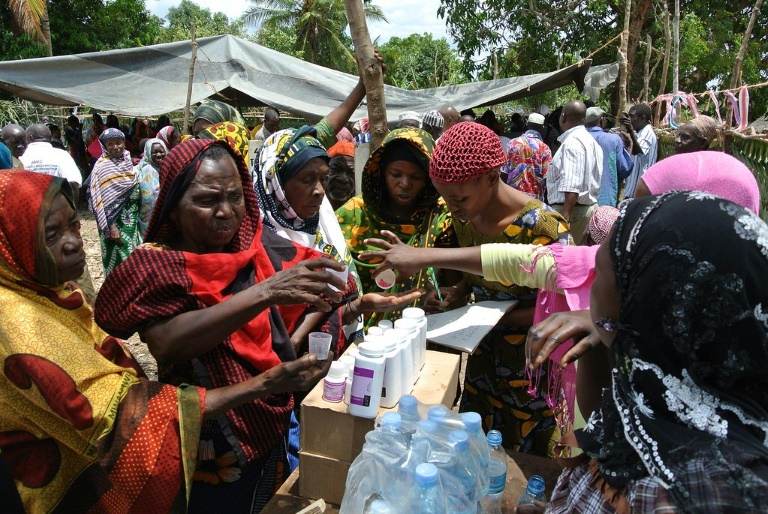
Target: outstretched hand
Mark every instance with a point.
(299, 375)
(394, 254)
(545, 337)
(388, 302)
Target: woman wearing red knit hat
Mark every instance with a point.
(465, 171)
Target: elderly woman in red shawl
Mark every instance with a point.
(215, 298)
(81, 428)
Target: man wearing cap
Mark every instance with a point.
(433, 122)
(617, 163)
(528, 158)
(573, 179)
(409, 119)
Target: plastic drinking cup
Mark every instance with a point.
(319, 344)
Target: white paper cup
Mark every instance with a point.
(319, 344)
(386, 279)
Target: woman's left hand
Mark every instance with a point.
(545, 336)
(388, 302)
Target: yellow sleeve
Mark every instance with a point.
(519, 264)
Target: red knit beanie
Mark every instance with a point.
(465, 152)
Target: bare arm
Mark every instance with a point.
(341, 114)
(569, 204)
(298, 375)
(625, 121)
(193, 333)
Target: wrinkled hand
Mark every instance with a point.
(114, 235)
(546, 336)
(388, 302)
(394, 254)
(305, 282)
(299, 375)
(453, 297)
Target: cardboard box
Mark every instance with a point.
(328, 430)
(322, 477)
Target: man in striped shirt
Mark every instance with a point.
(573, 179)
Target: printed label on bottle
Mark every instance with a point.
(361, 387)
(497, 483)
(333, 391)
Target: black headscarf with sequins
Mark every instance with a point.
(689, 399)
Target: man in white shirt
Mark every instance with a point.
(41, 157)
(644, 143)
(573, 178)
(270, 126)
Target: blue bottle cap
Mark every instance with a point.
(535, 485)
(472, 420)
(426, 474)
(391, 420)
(493, 437)
(428, 426)
(437, 414)
(408, 403)
(460, 438)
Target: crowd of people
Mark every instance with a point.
(224, 268)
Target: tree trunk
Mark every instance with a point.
(624, 65)
(192, 62)
(370, 71)
(667, 55)
(45, 27)
(676, 52)
(736, 75)
(647, 68)
(637, 20)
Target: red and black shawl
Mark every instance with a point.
(157, 283)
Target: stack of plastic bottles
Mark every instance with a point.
(422, 459)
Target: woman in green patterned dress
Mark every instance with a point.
(465, 170)
(398, 196)
(115, 200)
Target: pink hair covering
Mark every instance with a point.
(362, 125)
(467, 151)
(716, 173)
(345, 135)
(601, 222)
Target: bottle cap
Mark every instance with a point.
(408, 404)
(379, 507)
(375, 331)
(337, 371)
(391, 419)
(460, 438)
(472, 420)
(437, 414)
(428, 426)
(413, 313)
(494, 437)
(408, 325)
(370, 349)
(535, 485)
(389, 343)
(386, 323)
(426, 474)
(348, 361)
(386, 279)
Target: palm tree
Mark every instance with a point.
(31, 16)
(319, 26)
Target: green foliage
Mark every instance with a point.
(14, 45)
(279, 38)
(419, 61)
(537, 36)
(319, 26)
(207, 23)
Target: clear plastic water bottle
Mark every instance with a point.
(497, 474)
(408, 409)
(477, 441)
(533, 500)
(463, 501)
(378, 507)
(428, 498)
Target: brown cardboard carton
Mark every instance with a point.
(328, 430)
(322, 477)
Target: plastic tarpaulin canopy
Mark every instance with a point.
(153, 80)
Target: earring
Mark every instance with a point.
(606, 324)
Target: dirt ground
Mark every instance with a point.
(90, 234)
